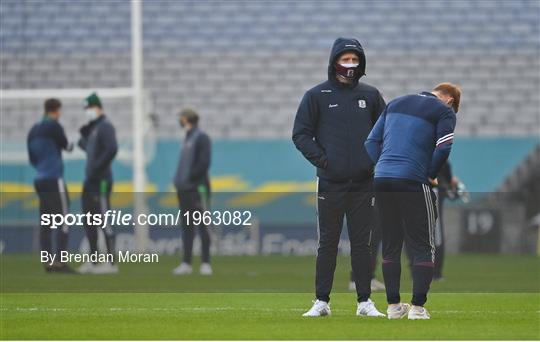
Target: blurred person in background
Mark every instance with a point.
(376, 285)
(409, 144)
(192, 183)
(45, 143)
(447, 188)
(98, 140)
(331, 125)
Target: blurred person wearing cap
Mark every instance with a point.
(45, 142)
(332, 122)
(192, 183)
(409, 144)
(98, 140)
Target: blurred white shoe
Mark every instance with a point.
(398, 311)
(183, 269)
(205, 269)
(105, 268)
(418, 312)
(377, 285)
(85, 268)
(368, 309)
(318, 309)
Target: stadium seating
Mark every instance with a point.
(245, 65)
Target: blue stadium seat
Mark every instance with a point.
(250, 62)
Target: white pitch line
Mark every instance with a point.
(202, 309)
(151, 309)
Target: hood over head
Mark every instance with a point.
(342, 45)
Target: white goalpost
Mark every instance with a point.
(139, 174)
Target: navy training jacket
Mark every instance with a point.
(412, 138)
(194, 162)
(45, 142)
(98, 140)
(334, 120)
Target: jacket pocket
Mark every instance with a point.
(337, 166)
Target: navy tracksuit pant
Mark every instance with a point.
(96, 200)
(439, 241)
(191, 201)
(53, 199)
(337, 201)
(407, 212)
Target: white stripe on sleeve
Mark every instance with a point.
(445, 138)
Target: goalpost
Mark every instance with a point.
(139, 174)
(131, 102)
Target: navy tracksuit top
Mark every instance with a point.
(45, 143)
(334, 119)
(412, 138)
(98, 140)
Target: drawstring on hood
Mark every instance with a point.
(340, 46)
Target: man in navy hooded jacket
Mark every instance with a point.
(330, 128)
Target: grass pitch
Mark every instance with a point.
(483, 297)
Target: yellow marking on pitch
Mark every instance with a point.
(11, 192)
(310, 200)
(31, 203)
(225, 183)
(169, 200)
(269, 192)
(228, 183)
(122, 195)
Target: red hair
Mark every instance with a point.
(451, 90)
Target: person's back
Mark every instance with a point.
(410, 130)
(45, 141)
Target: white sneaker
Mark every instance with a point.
(352, 286)
(205, 269)
(85, 268)
(318, 309)
(183, 269)
(377, 285)
(398, 311)
(418, 312)
(368, 309)
(105, 268)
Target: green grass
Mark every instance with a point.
(464, 273)
(258, 316)
(483, 297)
